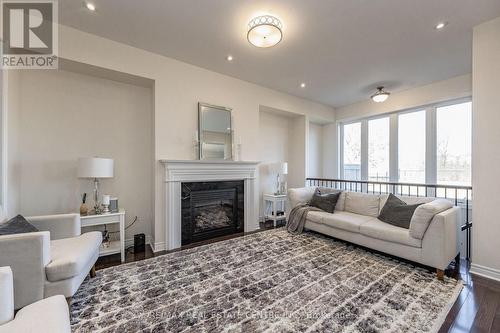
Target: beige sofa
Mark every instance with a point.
(355, 220)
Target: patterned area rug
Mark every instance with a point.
(270, 281)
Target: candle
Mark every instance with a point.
(105, 199)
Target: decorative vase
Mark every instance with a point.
(84, 210)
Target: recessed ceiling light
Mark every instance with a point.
(229, 58)
(441, 25)
(381, 95)
(90, 6)
(264, 31)
(302, 85)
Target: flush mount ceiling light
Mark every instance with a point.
(381, 95)
(264, 31)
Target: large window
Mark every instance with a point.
(427, 145)
(378, 149)
(352, 151)
(454, 125)
(411, 147)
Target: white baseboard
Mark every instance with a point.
(487, 272)
(158, 246)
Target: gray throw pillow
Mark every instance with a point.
(325, 201)
(397, 212)
(16, 225)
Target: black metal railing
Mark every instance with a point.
(461, 196)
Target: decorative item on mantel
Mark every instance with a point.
(95, 168)
(196, 144)
(237, 150)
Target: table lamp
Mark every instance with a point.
(95, 168)
(281, 169)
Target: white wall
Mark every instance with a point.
(330, 148)
(315, 153)
(274, 145)
(454, 88)
(178, 87)
(63, 116)
(12, 100)
(485, 148)
(298, 154)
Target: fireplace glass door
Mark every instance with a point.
(211, 209)
(213, 212)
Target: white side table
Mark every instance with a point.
(273, 203)
(113, 218)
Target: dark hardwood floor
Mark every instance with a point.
(477, 308)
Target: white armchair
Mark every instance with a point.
(53, 261)
(48, 315)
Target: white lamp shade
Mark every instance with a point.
(95, 167)
(279, 168)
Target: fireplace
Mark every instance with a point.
(211, 209)
(182, 176)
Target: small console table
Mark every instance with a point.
(274, 203)
(106, 219)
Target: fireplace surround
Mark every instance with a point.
(179, 172)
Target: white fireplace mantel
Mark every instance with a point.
(179, 171)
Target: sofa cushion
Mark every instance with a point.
(345, 221)
(16, 225)
(407, 199)
(387, 232)
(317, 216)
(397, 212)
(340, 202)
(325, 201)
(362, 203)
(424, 214)
(298, 196)
(71, 255)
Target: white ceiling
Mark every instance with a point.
(342, 49)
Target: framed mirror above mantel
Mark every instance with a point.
(215, 133)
